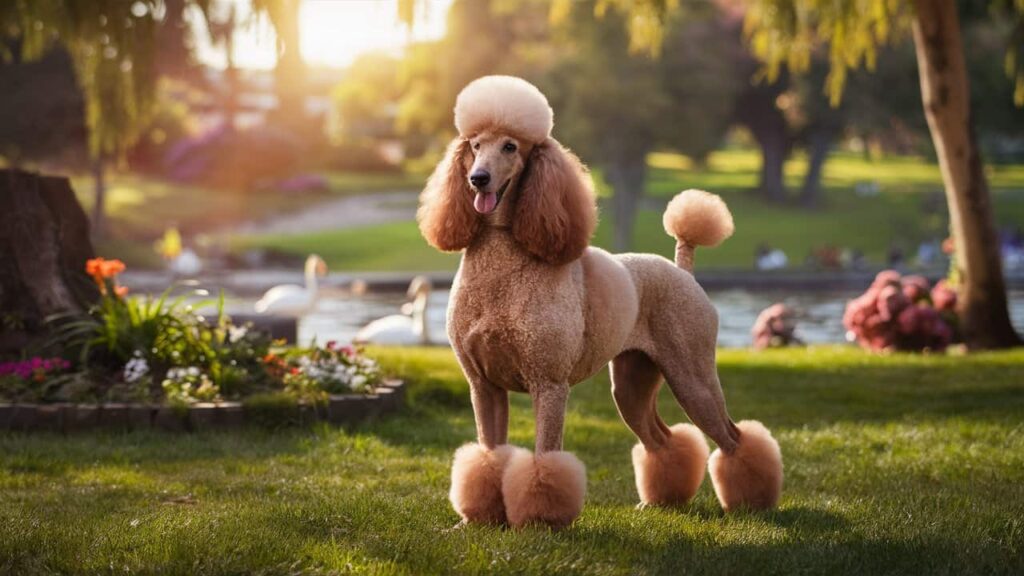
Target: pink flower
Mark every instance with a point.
(915, 287)
(885, 278)
(891, 300)
(943, 296)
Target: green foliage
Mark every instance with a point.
(165, 329)
(788, 32)
(894, 465)
(112, 45)
(363, 103)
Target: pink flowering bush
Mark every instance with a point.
(902, 313)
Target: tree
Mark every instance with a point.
(44, 245)
(783, 32)
(616, 106)
(113, 46)
(290, 72)
(40, 108)
(787, 32)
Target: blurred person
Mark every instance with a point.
(775, 327)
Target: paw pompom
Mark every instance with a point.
(750, 477)
(671, 474)
(547, 488)
(476, 482)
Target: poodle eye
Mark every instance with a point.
(508, 147)
(476, 145)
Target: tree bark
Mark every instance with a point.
(44, 244)
(773, 160)
(982, 306)
(819, 144)
(626, 176)
(99, 216)
(757, 110)
(290, 72)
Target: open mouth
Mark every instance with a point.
(487, 202)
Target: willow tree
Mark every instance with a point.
(114, 46)
(784, 32)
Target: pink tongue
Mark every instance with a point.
(485, 202)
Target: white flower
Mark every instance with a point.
(136, 368)
(236, 333)
(358, 381)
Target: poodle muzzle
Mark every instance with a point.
(487, 202)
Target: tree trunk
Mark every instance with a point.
(984, 316)
(290, 73)
(231, 72)
(99, 224)
(44, 244)
(757, 110)
(773, 160)
(819, 144)
(626, 176)
(174, 56)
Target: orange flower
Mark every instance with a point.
(93, 265)
(121, 291)
(112, 268)
(100, 269)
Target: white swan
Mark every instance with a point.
(291, 299)
(406, 329)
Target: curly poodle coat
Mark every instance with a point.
(533, 309)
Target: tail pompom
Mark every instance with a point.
(698, 218)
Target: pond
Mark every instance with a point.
(338, 316)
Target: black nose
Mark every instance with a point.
(480, 178)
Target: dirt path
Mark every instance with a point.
(340, 213)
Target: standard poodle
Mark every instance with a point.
(534, 309)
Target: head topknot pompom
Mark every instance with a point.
(504, 103)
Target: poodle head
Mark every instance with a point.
(505, 170)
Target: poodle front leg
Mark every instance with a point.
(479, 466)
(547, 487)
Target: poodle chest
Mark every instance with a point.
(514, 330)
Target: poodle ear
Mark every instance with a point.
(555, 213)
(446, 215)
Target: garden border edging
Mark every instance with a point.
(69, 418)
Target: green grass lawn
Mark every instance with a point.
(140, 209)
(871, 224)
(894, 465)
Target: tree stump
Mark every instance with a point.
(44, 244)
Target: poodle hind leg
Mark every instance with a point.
(547, 487)
(746, 469)
(669, 463)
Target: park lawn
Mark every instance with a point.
(140, 208)
(871, 224)
(894, 465)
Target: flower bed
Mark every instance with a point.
(266, 411)
(141, 362)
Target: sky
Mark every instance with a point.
(333, 32)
